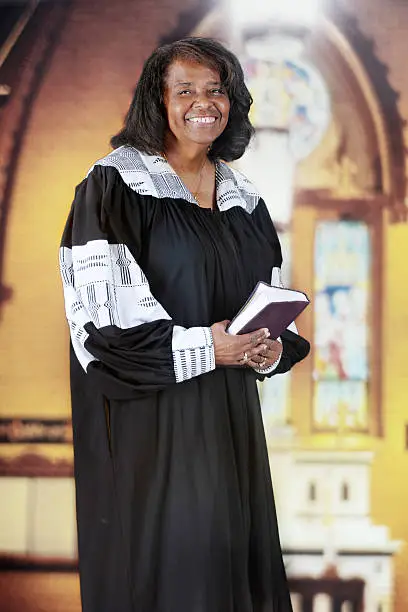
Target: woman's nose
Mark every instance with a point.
(202, 100)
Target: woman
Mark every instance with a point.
(163, 244)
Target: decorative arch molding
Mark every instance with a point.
(28, 63)
(340, 30)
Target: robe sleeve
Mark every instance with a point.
(295, 347)
(121, 335)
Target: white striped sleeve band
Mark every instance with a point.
(193, 352)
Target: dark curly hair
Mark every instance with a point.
(146, 120)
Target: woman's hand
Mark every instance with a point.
(266, 358)
(238, 350)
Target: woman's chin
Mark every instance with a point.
(204, 140)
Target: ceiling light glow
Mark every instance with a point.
(286, 12)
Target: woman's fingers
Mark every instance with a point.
(266, 358)
(237, 349)
(257, 359)
(266, 354)
(257, 366)
(254, 342)
(272, 347)
(260, 363)
(252, 345)
(251, 353)
(254, 338)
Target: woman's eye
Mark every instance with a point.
(218, 91)
(184, 91)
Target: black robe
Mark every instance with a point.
(175, 507)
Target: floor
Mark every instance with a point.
(39, 592)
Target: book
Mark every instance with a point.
(268, 306)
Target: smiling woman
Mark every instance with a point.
(197, 107)
(146, 124)
(163, 244)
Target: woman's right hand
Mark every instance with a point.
(235, 350)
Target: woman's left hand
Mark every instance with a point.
(268, 357)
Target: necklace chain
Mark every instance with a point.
(200, 177)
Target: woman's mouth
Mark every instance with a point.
(202, 120)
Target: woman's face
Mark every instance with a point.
(197, 105)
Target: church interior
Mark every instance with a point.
(330, 89)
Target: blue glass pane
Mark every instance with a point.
(341, 301)
(340, 405)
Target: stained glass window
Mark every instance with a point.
(341, 313)
(289, 95)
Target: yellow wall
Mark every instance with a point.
(390, 470)
(80, 104)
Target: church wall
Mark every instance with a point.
(81, 103)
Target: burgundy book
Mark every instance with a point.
(268, 306)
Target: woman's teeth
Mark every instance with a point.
(202, 119)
